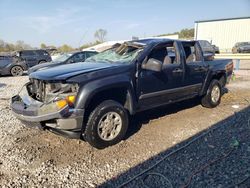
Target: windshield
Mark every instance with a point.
(62, 57)
(124, 54)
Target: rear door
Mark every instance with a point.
(29, 56)
(196, 68)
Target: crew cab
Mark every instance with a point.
(93, 100)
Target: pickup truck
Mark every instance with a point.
(94, 100)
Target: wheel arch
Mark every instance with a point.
(119, 89)
(218, 75)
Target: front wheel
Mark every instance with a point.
(213, 95)
(107, 124)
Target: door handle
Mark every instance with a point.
(200, 68)
(177, 70)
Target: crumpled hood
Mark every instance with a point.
(63, 72)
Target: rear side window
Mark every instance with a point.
(78, 57)
(42, 52)
(27, 53)
(192, 52)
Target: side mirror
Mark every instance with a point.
(208, 56)
(153, 65)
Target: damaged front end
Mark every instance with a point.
(49, 105)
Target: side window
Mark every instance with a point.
(42, 52)
(27, 53)
(171, 53)
(77, 58)
(166, 54)
(192, 53)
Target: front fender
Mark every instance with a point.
(89, 90)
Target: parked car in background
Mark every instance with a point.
(34, 57)
(12, 65)
(66, 58)
(241, 47)
(56, 55)
(93, 100)
(208, 47)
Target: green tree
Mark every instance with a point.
(183, 34)
(65, 48)
(43, 46)
(186, 33)
(100, 35)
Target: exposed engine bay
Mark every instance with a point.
(49, 92)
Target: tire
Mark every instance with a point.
(213, 95)
(101, 125)
(16, 71)
(41, 62)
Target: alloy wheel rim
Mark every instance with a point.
(109, 126)
(215, 94)
(16, 71)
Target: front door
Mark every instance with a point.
(158, 88)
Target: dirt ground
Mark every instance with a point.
(219, 158)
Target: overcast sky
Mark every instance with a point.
(74, 22)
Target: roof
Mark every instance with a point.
(222, 19)
(152, 40)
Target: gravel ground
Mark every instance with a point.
(34, 158)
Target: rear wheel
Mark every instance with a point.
(213, 96)
(40, 62)
(16, 71)
(107, 124)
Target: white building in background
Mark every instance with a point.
(224, 33)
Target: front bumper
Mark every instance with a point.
(36, 114)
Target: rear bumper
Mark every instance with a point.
(35, 114)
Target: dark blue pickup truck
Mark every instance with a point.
(93, 100)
